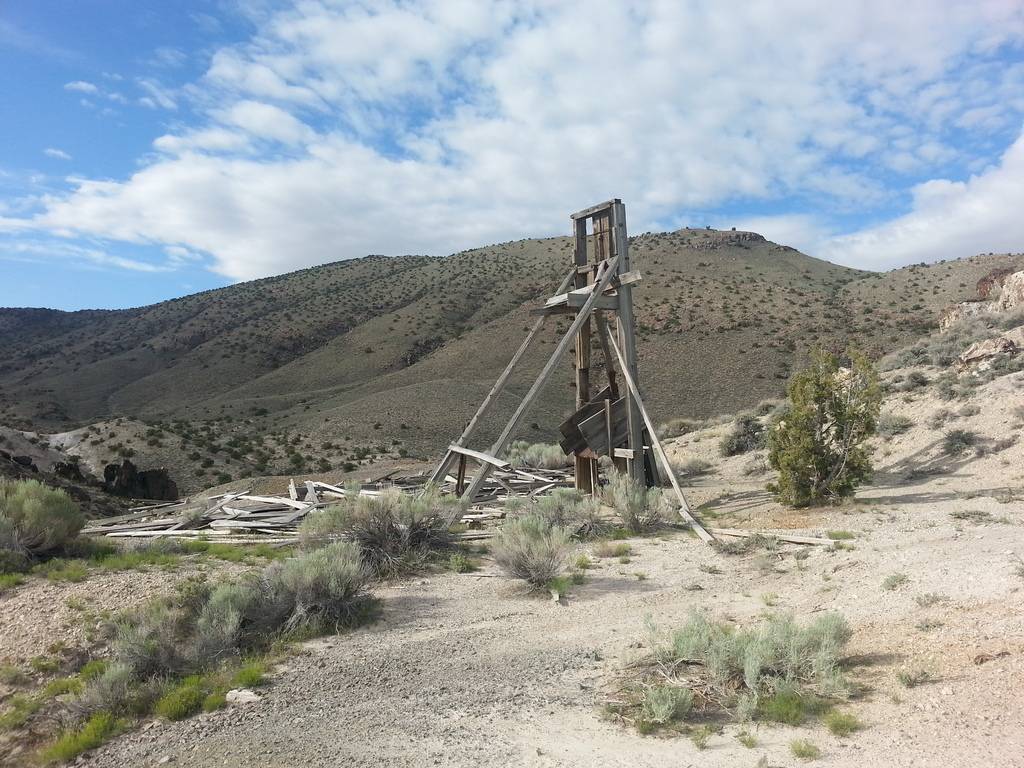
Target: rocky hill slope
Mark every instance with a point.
(387, 356)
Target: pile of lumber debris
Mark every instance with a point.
(242, 517)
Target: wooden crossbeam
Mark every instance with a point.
(659, 451)
(542, 379)
(499, 385)
(480, 456)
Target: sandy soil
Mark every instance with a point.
(466, 670)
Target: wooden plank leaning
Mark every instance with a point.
(659, 451)
(499, 385)
(542, 379)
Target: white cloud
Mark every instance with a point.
(429, 126)
(57, 154)
(157, 95)
(948, 219)
(81, 86)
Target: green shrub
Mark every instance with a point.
(63, 570)
(841, 723)
(20, 709)
(764, 657)
(183, 700)
(460, 563)
(537, 455)
(894, 580)
(665, 703)
(92, 670)
(61, 686)
(677, 427)
(251, 675)
(569, 509)
(325, 588)
(395, 532)
(9, 580)
(531, 549)
(890, 424)
(804, 749)
(956, 441)
(639, 509)
(39, 519)
(818, 446)
(747, 435)
(99, 728)
(214, 701)
(690, 469)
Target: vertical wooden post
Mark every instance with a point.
(583, 466)
(627, 342)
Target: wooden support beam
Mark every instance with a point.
(542, 379)
(627, 339)
(483, 458)
(499, 385)
(684, 508)
(586, 213)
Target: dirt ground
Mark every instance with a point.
(466, 670)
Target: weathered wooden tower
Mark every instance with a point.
(608, 421)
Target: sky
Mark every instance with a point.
(153, 149)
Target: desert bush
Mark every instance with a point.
(99, 728)
(640, 509)
(569, 509)
(665, 703)
(34, 520)
(531, 549)
(325, 589)
(395, 532)
(539, 455)
(747, 435)
(776, 651)
(890, 424)
(818, 446)
(956, 441)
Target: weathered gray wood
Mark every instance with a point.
(627, 338)
(480, 456)
(684, 508)
(542, 379)
(495, 390)
(588, 212)
(791, 538)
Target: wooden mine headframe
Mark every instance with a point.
(607, 422)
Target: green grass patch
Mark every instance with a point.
(841, 723)
(250, 675)
(98, 729)
(894, 581)
(790, 706)
(60, 569)
(214, 701)
(62, 685)
(20, 709)
(804, 749)
(747, 739)
(10, 581)
(583, 562)
(92, 669)
(44, 665)
(183, 700)
(12, 675)
(461, 563)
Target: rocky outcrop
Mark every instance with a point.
(991, 282)
(1012, 295)
(981, 354)
(125, 479)
(962, 311)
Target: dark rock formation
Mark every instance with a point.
(125, 479)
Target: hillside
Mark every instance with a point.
(386, 356)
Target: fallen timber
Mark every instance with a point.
(238, 517)
(241, 517)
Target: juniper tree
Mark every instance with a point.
(817, 443)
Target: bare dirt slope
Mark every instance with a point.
(463, 670)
